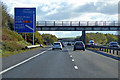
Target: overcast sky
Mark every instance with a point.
(75, 10)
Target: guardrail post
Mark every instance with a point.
(107, 50)
(113, 51)
(117, 53)
(101, 49)
(110, 50)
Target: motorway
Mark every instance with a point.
(64, 63)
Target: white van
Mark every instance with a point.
(92, 42)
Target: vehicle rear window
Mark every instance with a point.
(56, 43)
(79, 44)
(113, 43)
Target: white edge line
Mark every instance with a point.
(22, 62)
(75, 67)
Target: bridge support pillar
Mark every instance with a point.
(83, 36)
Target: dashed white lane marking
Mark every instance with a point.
(71, 56)
(22, 62)
(75, 67)
(73, 60)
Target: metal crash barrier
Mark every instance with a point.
(109, 50)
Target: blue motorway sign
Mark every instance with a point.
(25, 20)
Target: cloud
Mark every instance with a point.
(71, 12)
(67, 9)
(98, 7)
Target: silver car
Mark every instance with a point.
(114, 44)
(57, 45)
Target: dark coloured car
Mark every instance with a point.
(79, 45)
(114, 44)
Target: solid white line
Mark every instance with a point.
(75, 67)
(22, 62)
(72, 59)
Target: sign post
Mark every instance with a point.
(25, 20)
(25, 36)
(33, 26)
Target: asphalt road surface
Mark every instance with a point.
(66, 63)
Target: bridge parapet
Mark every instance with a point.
(78, 26)
(77, 23)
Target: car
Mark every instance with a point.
(57, 45)
(114, 44)
(69, 44)
(92, 42)
(79, 45)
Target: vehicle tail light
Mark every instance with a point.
(83, 45)
(74, 45)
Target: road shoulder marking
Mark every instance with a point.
(23, 62)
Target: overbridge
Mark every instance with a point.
(78, 26)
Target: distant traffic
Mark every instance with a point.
(79, 45)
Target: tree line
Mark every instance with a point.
(99, 38)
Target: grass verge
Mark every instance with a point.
(9, 53)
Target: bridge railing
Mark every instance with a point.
(109, 50)
(77, 23)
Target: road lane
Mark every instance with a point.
(52, 64)
(59, 64)
(14, 59)
(92, 65)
